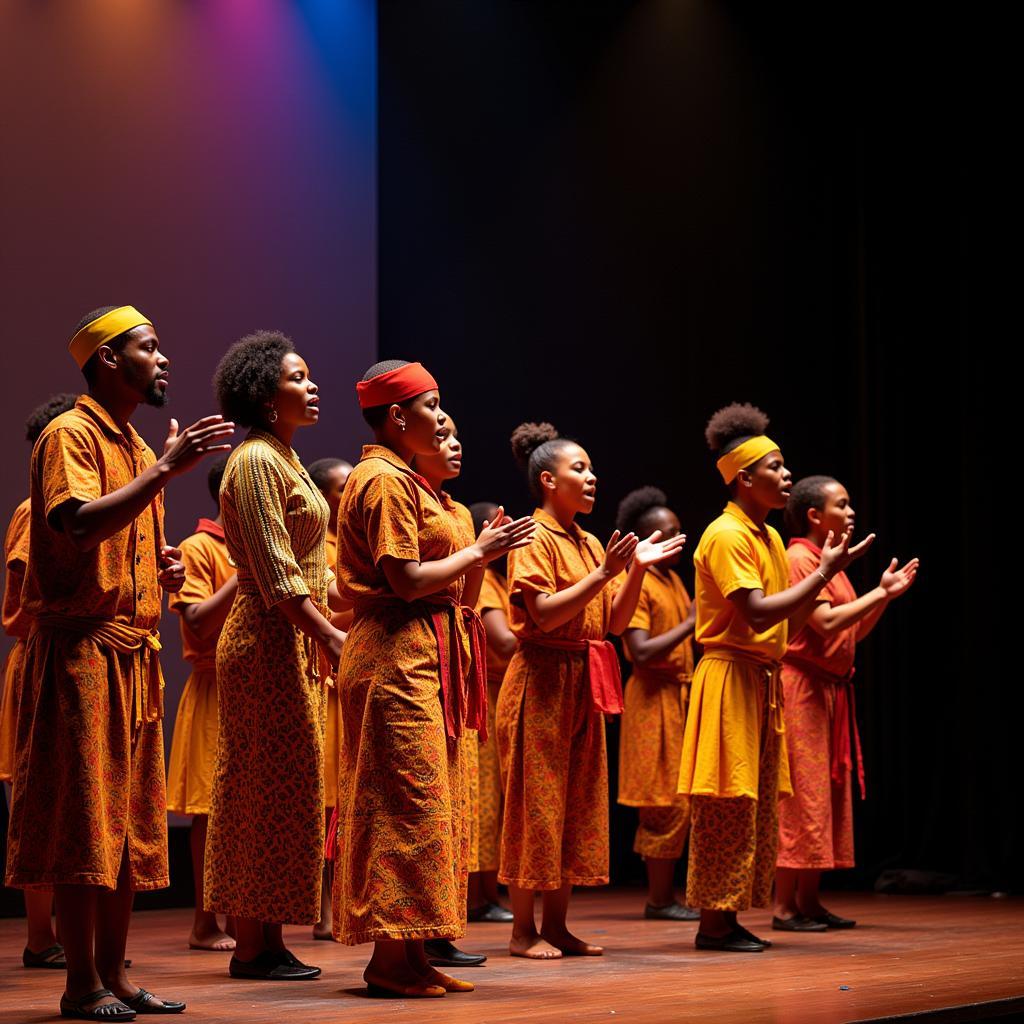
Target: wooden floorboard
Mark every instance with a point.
(949, 956)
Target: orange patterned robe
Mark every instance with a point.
(194, 745)
(402, 864)
(493, 595)
(264, 851)
(16, 625)
(550, 739)
(89, 752)
(816, 824)
(652, 722)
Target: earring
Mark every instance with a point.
(272, 415)
(401, 426)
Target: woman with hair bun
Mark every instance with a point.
(407, 690)
(816, 823)
(734, 765)
(658, 643)
(562, 680)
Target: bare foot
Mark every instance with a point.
(532, 947)
(216, 941)
(446, 981)
(403, 982)
(570, 945)
(324, 932)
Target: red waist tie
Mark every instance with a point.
(844, 722)
(463, 700)
(602, 670)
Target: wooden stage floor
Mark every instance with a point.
(909, 955)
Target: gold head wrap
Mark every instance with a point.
(103, 329)
(744, 455)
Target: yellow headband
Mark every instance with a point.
(103, 329)
(744, 455)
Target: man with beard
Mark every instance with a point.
(88, 813)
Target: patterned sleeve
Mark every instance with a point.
(16, 547)
(390, 518)
(731, 561)
(261, 496)
(532, 568)
(69, 470)
(199, 575)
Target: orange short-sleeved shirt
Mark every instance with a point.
(555, 560)
(207, 569)
(833, 654)
(663, 603)
(80, 456)
(15, 622)
(331, 546)
(385, 512)
(494, 595)
(735, 554)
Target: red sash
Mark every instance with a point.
(602, 669)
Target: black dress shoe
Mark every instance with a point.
(492, 913)
(830, 920)
(736, 941)
(797, 923)
(272, 965)
(444, 953)
(675, 911)
(767, 943)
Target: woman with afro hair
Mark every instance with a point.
(563, 678)
(265, 847)
(408, 690)
(659, 645)
(816, 823)
(733, 765)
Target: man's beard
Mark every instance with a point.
(156, 395)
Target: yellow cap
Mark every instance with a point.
(103, 329)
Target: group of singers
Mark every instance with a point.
(396, 701)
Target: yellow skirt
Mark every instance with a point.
(722, 741)
(194, 745)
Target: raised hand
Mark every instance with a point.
(183, 450)
(172, 570)
(503, 534)
(654, 550)
(898, 581)
(836, 557)
(619, 552)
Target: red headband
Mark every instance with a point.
(395, 386)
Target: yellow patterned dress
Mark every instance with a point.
(16, 625)
(264, 851)
(652, 722)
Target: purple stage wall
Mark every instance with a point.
(212, 164)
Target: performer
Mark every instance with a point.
(816, 823)
(264, 854)
(89, 751)
(330, 476)
(438, 468)
(733, 765)
(42, 948)
(493, 608)
(203, 604)
(658, 643)
(401, 867)
(562, 678)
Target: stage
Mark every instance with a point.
(946, 958)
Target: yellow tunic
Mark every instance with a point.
(738, 671)
(89, 750)
(264, 852)
(194, 745)
(401, 866)
(550, 739)
(655, 701)
(493, 596)
(16, 625)
(332, 733)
